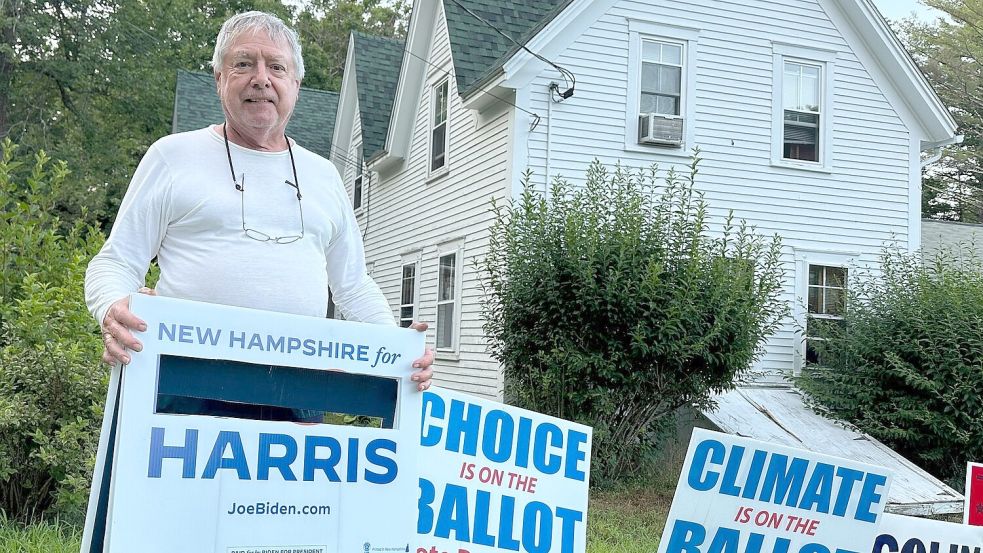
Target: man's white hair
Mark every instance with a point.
(257, 21)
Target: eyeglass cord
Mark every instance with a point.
(240, 187)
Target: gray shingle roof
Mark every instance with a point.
(377, 64)
(196, 105)
(478, 50)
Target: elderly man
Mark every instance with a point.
(237, 213)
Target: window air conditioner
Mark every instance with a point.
(661, 130)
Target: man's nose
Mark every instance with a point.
(261, 76)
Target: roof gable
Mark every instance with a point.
(196, 105)
(377, 62)
(477, 49)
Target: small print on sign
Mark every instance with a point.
(280, 549)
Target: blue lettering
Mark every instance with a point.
(430, 434)
(497, 431)
(568, 520)
(547, 464)
(209, 336)
(782, 480)
(268, 461)
(460, 426)
(754, 473)
(217, 459)
(505, 538)
(165, 331)
(727, 485)
(686, 536)
(522, 444)
(184, 334)
(188, 453)
(884, 541)
(819, 490)
(453, 515)
(707, 451)
(313, 463)
(575, 455)
(387, 463)
(869, 497)
(481, 518)
(537, 523)
(725, 540)
(424, 513)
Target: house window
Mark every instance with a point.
(447, 300)
(438, 127)
(802, 85)
(407, 295)
(357, 194)
(662, 77)
(661, 80)
(826, 299)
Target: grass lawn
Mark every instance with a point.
(626, 520)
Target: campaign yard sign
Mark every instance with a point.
(495, 478)
(737, 495)
(222, 445)
(973, 507)
(904, 534)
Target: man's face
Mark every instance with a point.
(258, 84)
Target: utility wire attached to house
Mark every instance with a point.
(569, 79)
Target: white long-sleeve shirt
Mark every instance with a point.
(183, 208)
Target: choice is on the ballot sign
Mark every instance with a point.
(246, 431)
(500, 479)
(742, 495)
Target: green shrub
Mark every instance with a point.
(907, 364)
(51, 384)
(614, 304)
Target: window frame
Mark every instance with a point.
(410, 260)
(432, 126)
(687, 37)
(455, 248)
(358, 189)
(825, 61)
(800, 311)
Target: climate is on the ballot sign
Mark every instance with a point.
(741, 495)
(220, 444)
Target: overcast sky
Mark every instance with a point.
(897, 9)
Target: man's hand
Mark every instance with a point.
(116, 327)
(425, 373)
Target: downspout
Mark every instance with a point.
(549, 125)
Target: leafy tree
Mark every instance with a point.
(325, 25)
(905, 366)
(949, 52)
(51, 384)
(615, 305)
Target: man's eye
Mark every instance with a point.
(241, 64)
(278, 67)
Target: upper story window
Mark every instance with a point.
(662, 77)
(661, 80)
(446, 301)
(357, 193)
(802, 107)
(438, 127)
(802, 85)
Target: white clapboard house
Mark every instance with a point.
(812, 119)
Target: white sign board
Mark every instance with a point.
(496, 478)
(902, 534)
(736, 494)
(226, 483)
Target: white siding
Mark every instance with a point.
(852, 210)
(407, 213)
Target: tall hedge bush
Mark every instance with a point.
(617, 302)
(906, 366)
(52, 385)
